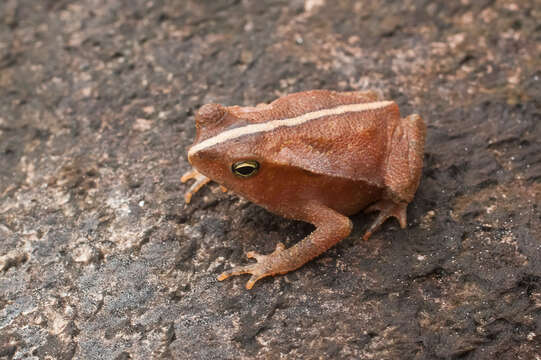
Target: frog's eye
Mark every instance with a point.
(245, 168)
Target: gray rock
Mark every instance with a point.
(101, 259)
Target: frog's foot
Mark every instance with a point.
(200, 181)
(387, 209)
(267, 265)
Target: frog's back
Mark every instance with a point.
(342, 140)
(296, 104)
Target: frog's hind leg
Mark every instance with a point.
(405, 159)
(402, 173)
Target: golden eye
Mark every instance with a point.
(245, 168)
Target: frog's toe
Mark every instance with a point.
(190, 174)
(200, 181)
(254, 269)
(264, 267)
(387, 209)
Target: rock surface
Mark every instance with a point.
(101, 259)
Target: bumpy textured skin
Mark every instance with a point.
(320, 171)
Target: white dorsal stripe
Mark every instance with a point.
(273, 124)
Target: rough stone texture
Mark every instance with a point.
(101, 259)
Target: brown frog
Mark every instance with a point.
(316, 156)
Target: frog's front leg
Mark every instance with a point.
(331, 227)
(200, 181)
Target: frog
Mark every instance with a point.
(317, 156)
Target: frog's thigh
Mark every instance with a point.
(405, 162)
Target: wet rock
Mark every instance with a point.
(100, 257)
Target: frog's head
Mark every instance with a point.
(221, 151)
